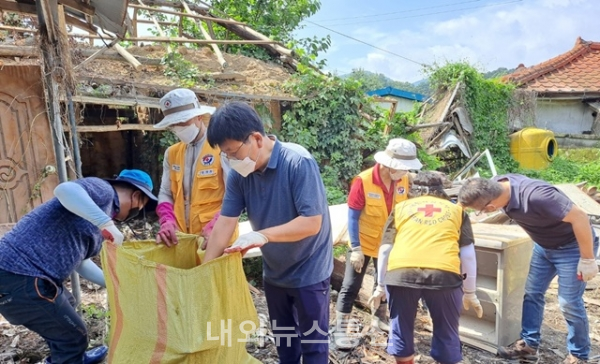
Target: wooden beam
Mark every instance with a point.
(214, 46)
(151, 102)
(15, 7)
(62, 35)
(178, 13)
(116, 127)
(131, 59)
(81, 24)
(135, 21)
(180, 40)
(238, 28)
(95, 55)
(17, 29)
(155, 88)
(102, 53)
(50, 14)
(166, 23)
(79, 6)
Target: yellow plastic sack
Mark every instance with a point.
(167, 308)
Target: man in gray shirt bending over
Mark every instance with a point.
(564, 245)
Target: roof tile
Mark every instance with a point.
(577, 70)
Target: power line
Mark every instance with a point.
(421, 15)
(396, 12)
(368, 44)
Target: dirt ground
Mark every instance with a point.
(18, 345)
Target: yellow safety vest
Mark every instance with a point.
(428, 229)
(374, 215)
(208, 187)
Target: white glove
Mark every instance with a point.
(586, 269)
(357, 259)
(470, 300)
(247, 241)
(376, 298)
(111, 233)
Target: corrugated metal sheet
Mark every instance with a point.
(109, 15)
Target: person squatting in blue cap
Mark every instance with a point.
(56, 238)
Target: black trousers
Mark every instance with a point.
(352, 283)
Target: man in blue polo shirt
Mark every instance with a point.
(52, 241)
(564, 245)
(280, 187)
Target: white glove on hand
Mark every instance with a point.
(246, 242)
(357, 259)
(376, 298)
(586, 269)
(111, 233)
(470, 300)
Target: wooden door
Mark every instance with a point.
(27, 157)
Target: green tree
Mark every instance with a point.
(277, 19)
(373, 81)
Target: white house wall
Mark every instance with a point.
(564, 116)
(403, 105)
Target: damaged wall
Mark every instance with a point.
(564, 116)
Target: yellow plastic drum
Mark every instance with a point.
(533, 148)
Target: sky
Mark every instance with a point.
(487, 33)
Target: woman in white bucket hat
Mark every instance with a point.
(373, 195)
(194, 174)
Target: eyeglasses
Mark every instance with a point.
(233, 155)
(483, 209)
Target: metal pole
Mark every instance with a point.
(52, 95)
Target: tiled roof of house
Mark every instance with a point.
(576, 71)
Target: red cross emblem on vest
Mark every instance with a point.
(429, 209)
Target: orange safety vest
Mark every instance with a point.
(428, 229)
(374, 215)
(208, 187)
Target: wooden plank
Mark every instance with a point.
(214, 46)
(79, 6)
(580, 198)
(131, 59)
(16, 7)
(153, 102)
(17, 29)
(179, 40)
(171, 12)
(120, 127)
(205, 93)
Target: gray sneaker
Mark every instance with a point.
(518, 350)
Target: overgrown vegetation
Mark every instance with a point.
(338, 124)
(488, 102)
(571, 166)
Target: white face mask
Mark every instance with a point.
(186, 134)
(396, 176)
(244, 166)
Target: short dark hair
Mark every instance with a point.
(233, 120)
(476, 192)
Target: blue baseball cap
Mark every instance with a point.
(139, 179)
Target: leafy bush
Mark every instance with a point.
(488, 102)
(571, 166)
